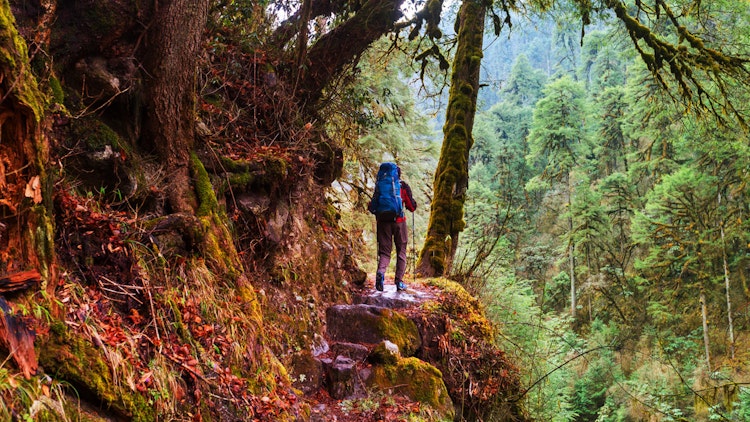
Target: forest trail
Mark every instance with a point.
(364, 340)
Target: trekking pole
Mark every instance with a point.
(413, 250)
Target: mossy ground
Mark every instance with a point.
(483, 383)
(82, 364)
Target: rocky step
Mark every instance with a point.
(370, 324)
(393, 299)
(371, 346)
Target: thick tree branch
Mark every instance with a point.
(334, 50)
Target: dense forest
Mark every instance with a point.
(183, 210)
(607, 227)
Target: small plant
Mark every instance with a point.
(346, 406)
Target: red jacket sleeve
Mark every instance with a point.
(407, 198)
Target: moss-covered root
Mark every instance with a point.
(216, 239)
(68, 357)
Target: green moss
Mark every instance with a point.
(42, 232)
(264, 173)
(234, 166)
(381, 354)
(12, 50)
(241, 182)
(400, 330)
(466, 310)
(207, 203)
(275, 167)
(69, 357)
(58, 95)
(178, 323)
(418, 380)
(95, 134)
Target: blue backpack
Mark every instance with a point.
(386, 203)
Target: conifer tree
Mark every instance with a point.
(557, 144)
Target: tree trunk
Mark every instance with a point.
(571, 264)
(170, 63)
(452, 173)
(26, 236)
(571, 253)
(704, 317)
(726, 283)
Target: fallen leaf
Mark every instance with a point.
(34, 190)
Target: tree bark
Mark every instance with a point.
(334, 50)
(18, 339)
(452, 173)
(704, 318)
(726, 282)
(571, 250)
(571, 262)
(170, 63)
(26, 237)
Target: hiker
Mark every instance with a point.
(388, 201)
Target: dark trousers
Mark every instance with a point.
(390, 233)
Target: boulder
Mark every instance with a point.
(391, 298)
(372, 324)
(415, 379)
(353, 351)
(307, 372)
(385, 353)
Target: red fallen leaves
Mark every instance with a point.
(112, 325)
(135, 317)
(203, 330)
(103, 227)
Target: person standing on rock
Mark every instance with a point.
(388, 201)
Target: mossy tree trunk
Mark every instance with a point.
(25, 189)
(452, 173)
(174, 42)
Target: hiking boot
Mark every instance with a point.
(400, 286)
(379, 282)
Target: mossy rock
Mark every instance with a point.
(266, 173)
(385, 353)
(95, 134)
(372, 324)
(465, 308)
(416, 379)
(307, 372)
(102, 162)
